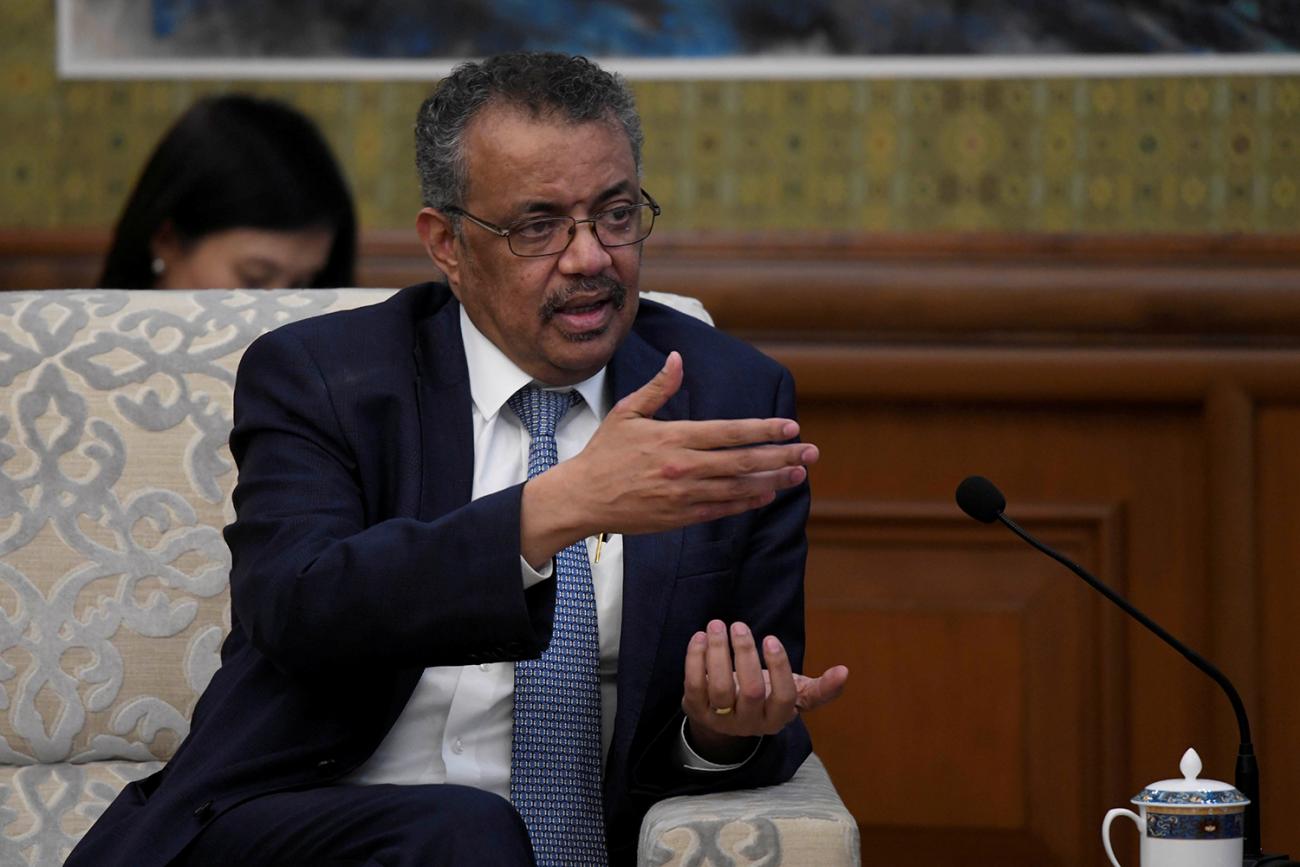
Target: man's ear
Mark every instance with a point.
(440, 243)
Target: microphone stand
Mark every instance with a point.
(1247, 769)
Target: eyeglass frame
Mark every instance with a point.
(505, 232)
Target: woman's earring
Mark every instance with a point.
(158, 266)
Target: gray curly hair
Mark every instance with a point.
(541, 83)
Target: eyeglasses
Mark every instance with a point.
(547, 236)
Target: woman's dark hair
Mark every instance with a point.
(232, 162)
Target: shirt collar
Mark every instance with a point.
(493, 377)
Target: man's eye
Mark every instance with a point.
(535, 230)
(618, 218)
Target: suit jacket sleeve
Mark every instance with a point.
(320, 579)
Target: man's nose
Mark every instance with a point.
(585, 254)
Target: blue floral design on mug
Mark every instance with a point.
(1194, 826)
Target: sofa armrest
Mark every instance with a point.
(801, 822)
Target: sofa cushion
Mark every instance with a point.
(45, 809)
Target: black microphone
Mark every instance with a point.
(981, 499)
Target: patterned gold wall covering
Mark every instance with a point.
(1209, 154)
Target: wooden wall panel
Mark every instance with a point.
(1277, 527)
(1114, 488)
(1137, 398)
(969, 647)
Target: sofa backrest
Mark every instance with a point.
(115, 482)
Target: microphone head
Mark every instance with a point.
(981, 499)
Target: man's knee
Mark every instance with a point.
(479, 826)
(392, 826)
(479, 808)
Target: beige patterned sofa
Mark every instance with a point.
(115, 483)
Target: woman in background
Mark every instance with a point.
(241, 192)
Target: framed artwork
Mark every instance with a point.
(416, 39)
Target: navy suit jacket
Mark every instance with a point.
(359, 560)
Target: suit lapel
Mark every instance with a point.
(446, 419)
(649, 560)
(446, 437)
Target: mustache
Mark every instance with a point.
(584, 286)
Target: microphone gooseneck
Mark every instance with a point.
(980, 499)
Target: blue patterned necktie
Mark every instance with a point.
(555, 760)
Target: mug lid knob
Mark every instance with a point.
(1190, 764)
(1191, 790)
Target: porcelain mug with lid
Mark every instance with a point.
(1185, 823)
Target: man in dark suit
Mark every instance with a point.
(514, 556)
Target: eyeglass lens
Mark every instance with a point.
(618, 227)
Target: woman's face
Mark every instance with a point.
(243, 259)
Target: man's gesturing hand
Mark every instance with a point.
(641, 475)
(728, 695)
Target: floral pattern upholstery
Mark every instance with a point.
(115, 482)
(802, 822)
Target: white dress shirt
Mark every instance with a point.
(458, 724)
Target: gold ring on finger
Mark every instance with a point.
(723, 711)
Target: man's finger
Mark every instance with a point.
(710, 499)
(741, 463)
(709, 434)
(817, 691)
(751, 689)
(695, 685)
(722, 683)
(781, 703)
(647, 400)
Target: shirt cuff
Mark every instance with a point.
(531, 576)
(693, 761)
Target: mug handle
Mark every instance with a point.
(1105, 829)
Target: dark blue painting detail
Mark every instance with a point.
(721, 28)
(169, 14)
